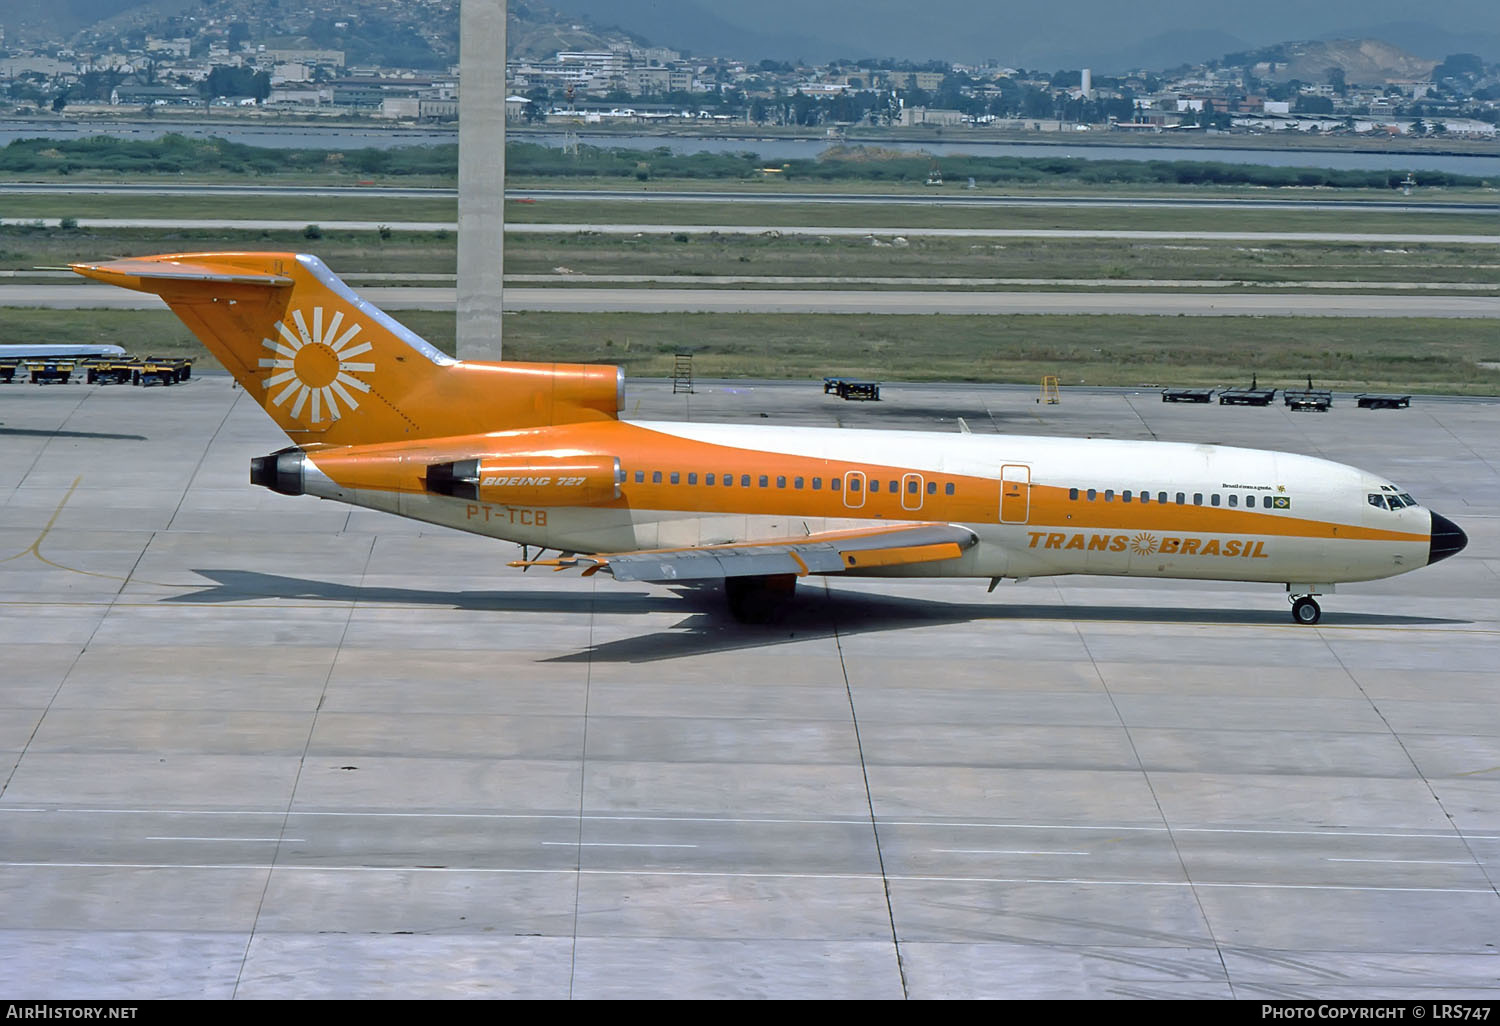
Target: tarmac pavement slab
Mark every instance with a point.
(262, 746)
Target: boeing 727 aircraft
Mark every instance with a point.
(537, 454)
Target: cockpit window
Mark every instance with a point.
(1377, 500)
(1408, 499)
(1395, 501)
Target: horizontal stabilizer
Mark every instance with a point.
(145, 274)
(830, 552)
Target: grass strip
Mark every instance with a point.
(1374, 354)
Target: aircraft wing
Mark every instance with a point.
(828, 552)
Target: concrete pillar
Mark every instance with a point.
(481, 177)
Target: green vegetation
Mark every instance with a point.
(1016, 218)
(179, 155)
(1377, 354)
(368, 257)
(875, 164)
(935, 257)
(1370, 354)
(443, 210)
(243, 207)
(25, 246)
(139, 332)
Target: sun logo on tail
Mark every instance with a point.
(315, 368)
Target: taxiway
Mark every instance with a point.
(259, 746)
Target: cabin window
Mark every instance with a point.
(744, 480)
(1072, 493)
(1109, 495)
(834, 482)
(911, 487)
(656, 477)
(1213, 500)
(1125, 495)
(1093, 495)
(676, 477)
(931, 487)
(1197, 498)
(1234, 500)
(640, 477)
(948, 490)
(874, 485)
(796, 482)
(853, 483)
(765, 482)
(1145, 496)
(708, 479)
(817, 484)
(728, 480)
(895, 488)
(692, 479)
(780, 481)
(1161, 497)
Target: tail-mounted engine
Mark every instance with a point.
(282, 471)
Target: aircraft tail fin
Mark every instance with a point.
(333, 369)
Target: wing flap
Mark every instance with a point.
(903, 555)
(826, 553)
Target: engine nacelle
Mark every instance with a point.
(283, 471)
(530, 480)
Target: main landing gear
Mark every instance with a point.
(1305, 610)
(758, 599)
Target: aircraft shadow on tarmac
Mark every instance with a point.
(31, 433)
(708, 627)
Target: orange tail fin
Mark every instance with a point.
(333, 369)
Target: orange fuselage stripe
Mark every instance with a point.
(976, 500)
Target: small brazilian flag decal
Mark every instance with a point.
(1280, 502)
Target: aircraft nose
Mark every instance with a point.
(1447, 538)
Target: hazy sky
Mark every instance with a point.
(1040, 33)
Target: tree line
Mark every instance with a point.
(177, 154)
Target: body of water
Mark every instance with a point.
(346, 137)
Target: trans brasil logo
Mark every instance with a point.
(316, 366)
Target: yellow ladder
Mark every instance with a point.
(1049, 390)
(682, 373)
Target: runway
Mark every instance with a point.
(260, 746)
(580, 299)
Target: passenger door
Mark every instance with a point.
(1015, 493)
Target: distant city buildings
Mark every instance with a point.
(223, 63)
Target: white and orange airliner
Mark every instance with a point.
(537, 454)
